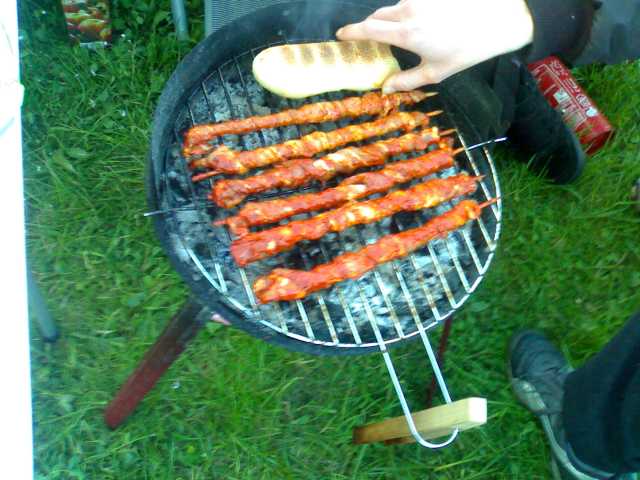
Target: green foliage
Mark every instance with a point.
(234, 407)
(141, 18)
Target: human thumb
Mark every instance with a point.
(409, 79)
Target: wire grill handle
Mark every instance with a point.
(398, 388)
(401, 397)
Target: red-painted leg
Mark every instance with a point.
(182, 328)
(442, 348)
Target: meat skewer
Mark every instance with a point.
(225, 160)
(372, 103)
(352, 188)
(258, 245)
(288, 284)
(294, 173)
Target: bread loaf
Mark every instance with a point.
(298, 71)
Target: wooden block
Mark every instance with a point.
(431, 423)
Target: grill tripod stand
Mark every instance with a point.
(183, 327)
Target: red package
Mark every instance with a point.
(88, 21)
(565, 95)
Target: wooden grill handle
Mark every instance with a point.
(431, 423)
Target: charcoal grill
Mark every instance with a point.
(399, 301)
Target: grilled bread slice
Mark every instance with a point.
(302, 70)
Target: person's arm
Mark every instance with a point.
(561, 27)
(614, 36)
(582, 32)
(449, 35)
(453, 35)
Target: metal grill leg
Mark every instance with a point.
(180, 19)
(39, 307)
(182, 328)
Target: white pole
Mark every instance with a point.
(16, 438)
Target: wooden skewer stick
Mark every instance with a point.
(203, 176)
(489, 202)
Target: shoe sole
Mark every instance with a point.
(559, 455)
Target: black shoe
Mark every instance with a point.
(539, 132)
(537, 371)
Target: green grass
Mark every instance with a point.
(235, 407)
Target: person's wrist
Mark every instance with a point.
(510, 27)
(519, 24)
(506, 26)
(527, 24)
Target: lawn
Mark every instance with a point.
(237, 408)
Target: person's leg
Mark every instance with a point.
(601, 408)
(591, 416)
(500, 96)
(542, 136)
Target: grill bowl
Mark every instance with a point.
(214, 83)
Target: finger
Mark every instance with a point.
(410, 79)
(394, 13)
(378, 30)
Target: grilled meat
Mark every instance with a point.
(294, 173)
(289, 284)
(352, 188)
(225, 160)
(258, 245)
(372, 103)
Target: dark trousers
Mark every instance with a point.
(601, 409)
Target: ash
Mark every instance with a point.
(422, 287)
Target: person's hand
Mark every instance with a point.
(448, 35)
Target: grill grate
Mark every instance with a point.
(399, 300)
